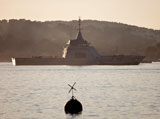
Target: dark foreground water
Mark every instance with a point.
(106, 92)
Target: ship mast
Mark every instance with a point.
(79, 35)
(79, 28)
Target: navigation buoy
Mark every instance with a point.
(73, 106)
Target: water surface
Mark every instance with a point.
(106, 92)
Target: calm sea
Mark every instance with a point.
(106, 92)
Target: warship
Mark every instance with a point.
(80, 52)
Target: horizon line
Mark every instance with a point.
(34, 20)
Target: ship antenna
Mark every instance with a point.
(72, 88)
(79, 24)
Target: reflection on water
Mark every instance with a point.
(76, 116)
(106, 92)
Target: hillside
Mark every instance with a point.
(25, 38)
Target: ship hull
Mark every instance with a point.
(121, 60)
(37, 61)
(106, 60)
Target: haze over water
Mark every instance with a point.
(106, 92)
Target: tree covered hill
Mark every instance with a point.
(25, 38)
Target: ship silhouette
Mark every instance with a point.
(80, 52)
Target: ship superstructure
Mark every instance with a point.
(79, 50)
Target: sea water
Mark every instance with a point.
(106, 92)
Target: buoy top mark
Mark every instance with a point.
(72, 88)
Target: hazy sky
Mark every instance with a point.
(144, 13)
